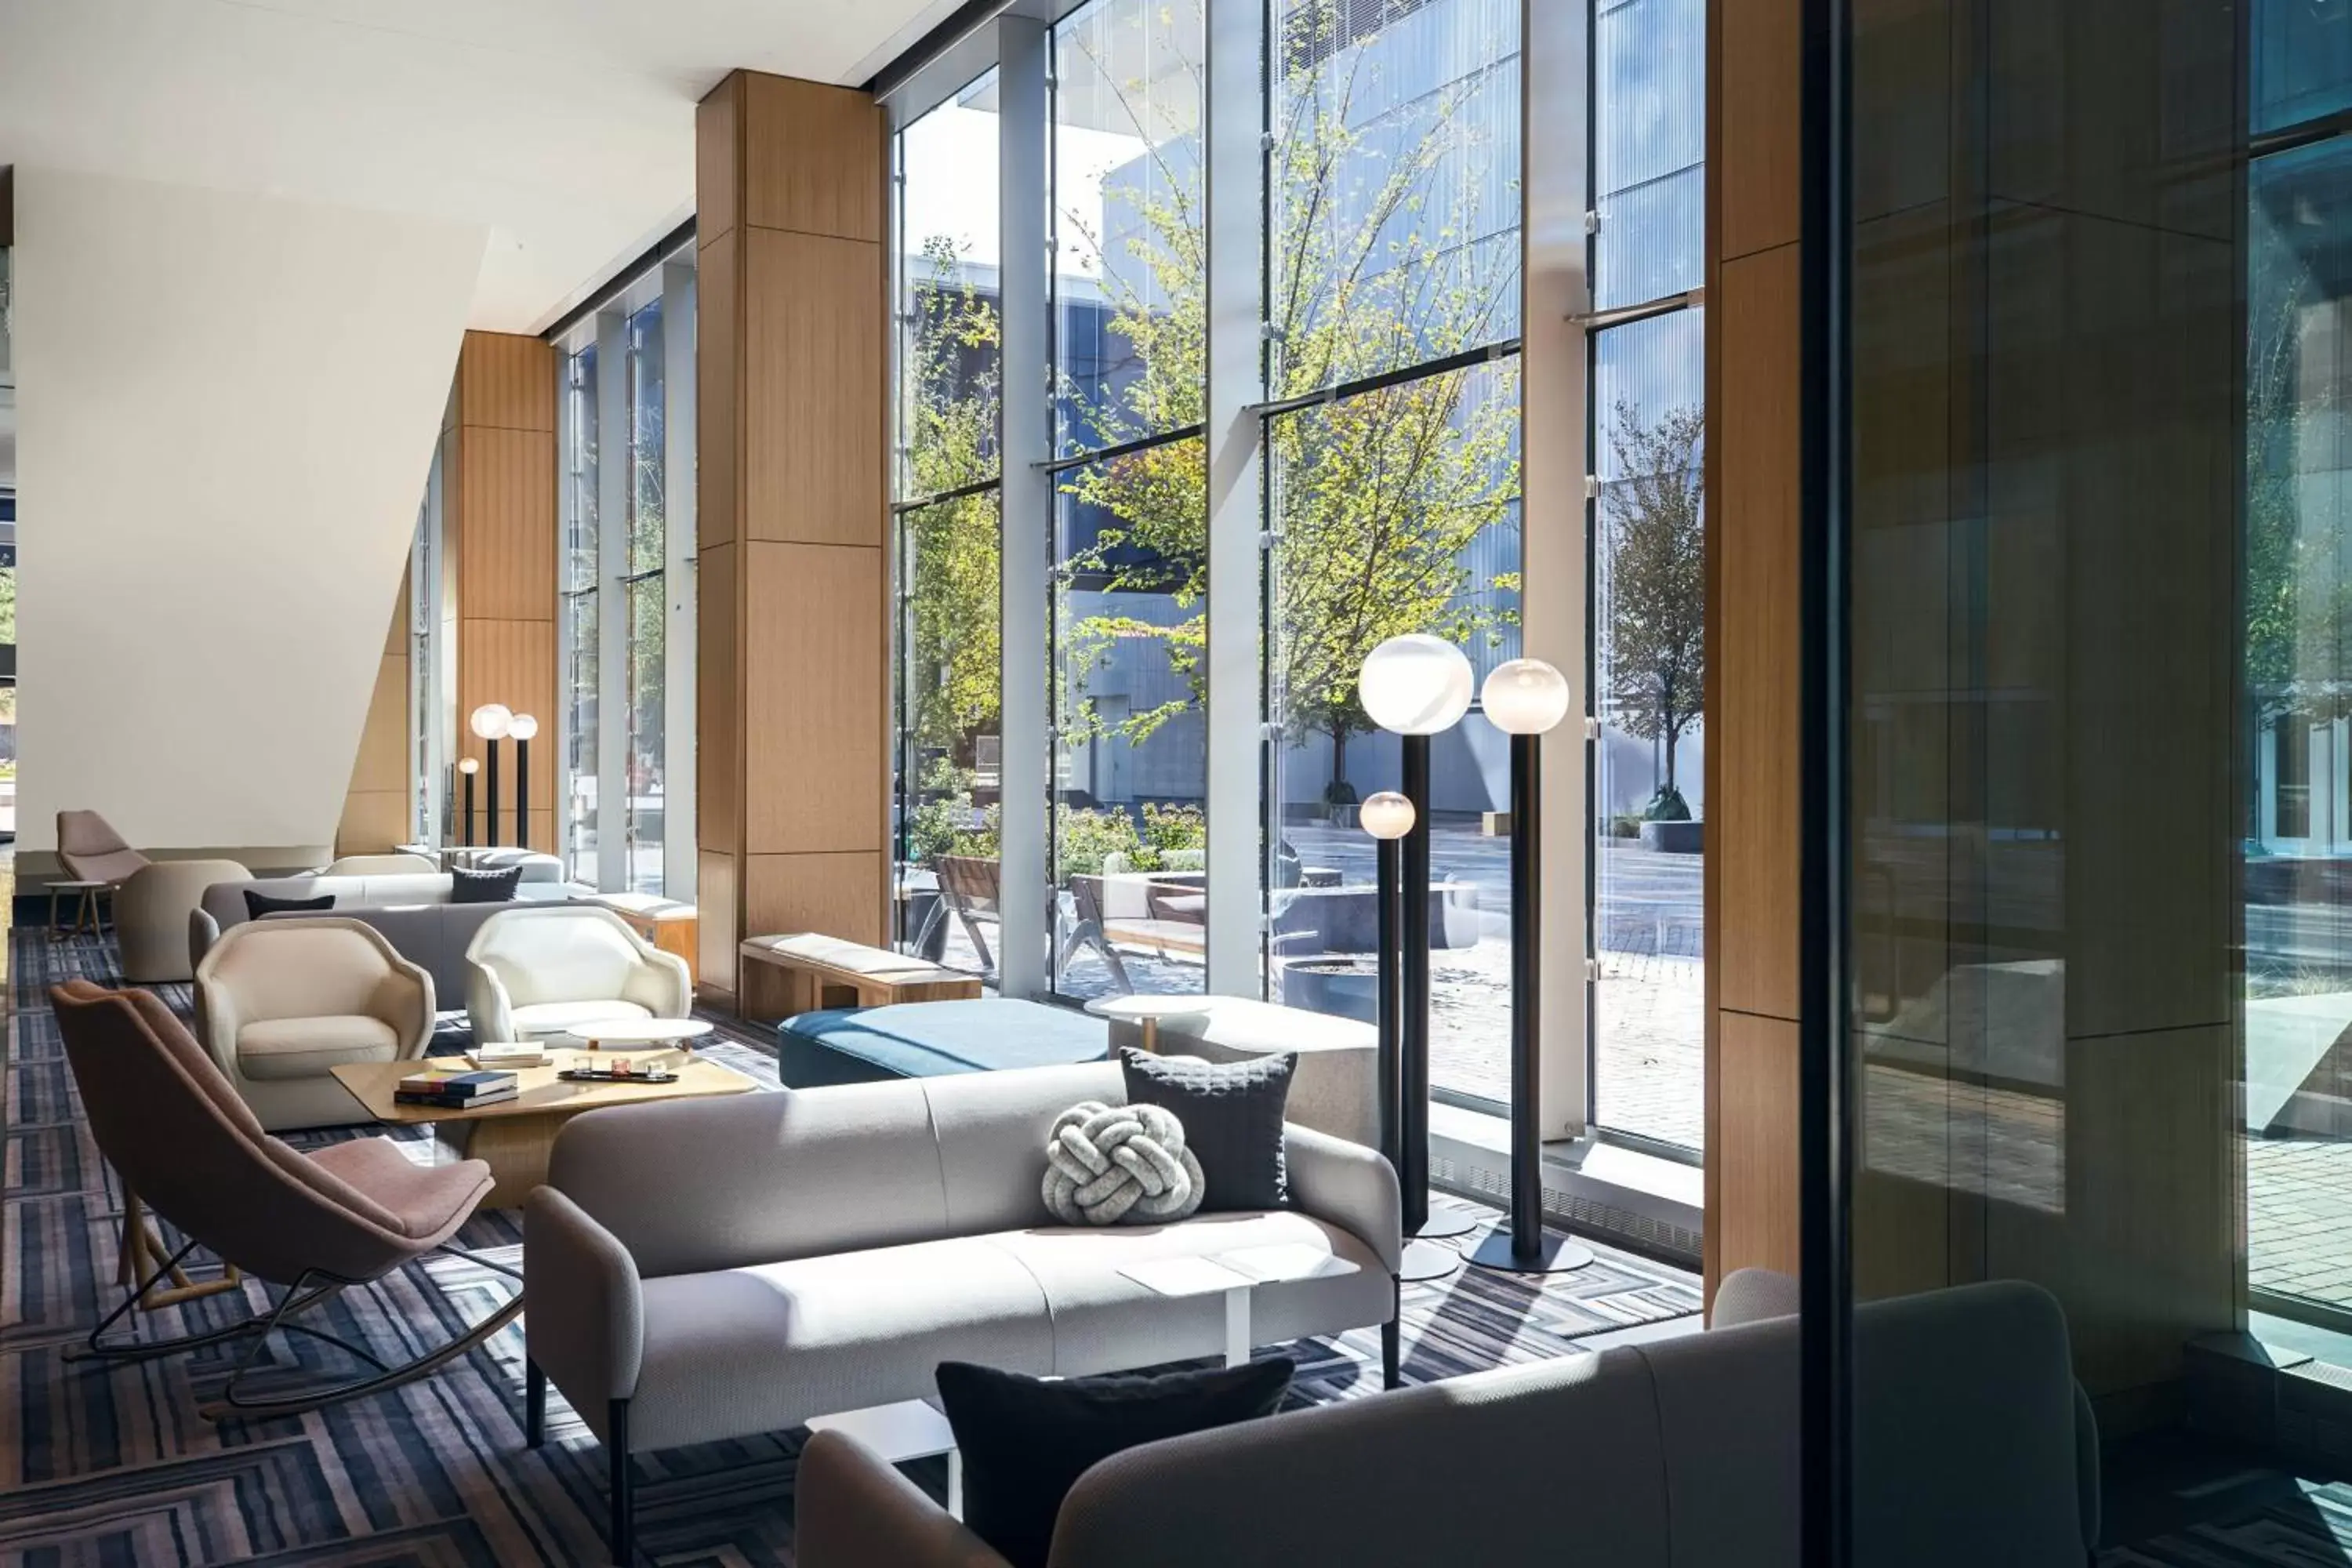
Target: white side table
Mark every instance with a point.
(621, 1033)
(1147, 1011)
(910, 1429)
(1234, 1275)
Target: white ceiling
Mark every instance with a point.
(564, 126)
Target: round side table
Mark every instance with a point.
(1148, 1011)
(86, 913)
(625, 1033)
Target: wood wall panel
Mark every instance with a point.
(373, 822)
(812, 683)
(1753, 1158)
(718, 392)
(839, 894)
(718, 163)
(1752, 729)
(375, 805)
(499, 525)
(719, 895)
(507, 382)
(506, 548)
(1752, 164)
(813, 159)
(717, 699)
(813, 385)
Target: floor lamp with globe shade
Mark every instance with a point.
(490, 722)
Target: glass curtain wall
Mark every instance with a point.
(626, 584)
(581, 575)
(1647, 664)
(1127, 594)
(950, 807)
(1393, 318)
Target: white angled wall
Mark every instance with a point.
(227, 407)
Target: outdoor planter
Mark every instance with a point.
(1343, 988)
(1671, 838)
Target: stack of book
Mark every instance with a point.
(455, 1091)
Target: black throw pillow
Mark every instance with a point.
(467, 887)
(259, 904)
(1025, 1441)
(1232, 1113)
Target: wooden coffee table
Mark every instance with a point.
(515, 1136)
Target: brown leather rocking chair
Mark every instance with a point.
(349, 1214)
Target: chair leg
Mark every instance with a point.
(1391, 1348)
(534, 1404)
(622, 1538)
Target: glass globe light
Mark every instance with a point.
(468, 765)
(491, 718)
(1386, 815)
(523, 727)
(1526, 696)
(1415, 685)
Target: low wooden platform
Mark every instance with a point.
(784, 976)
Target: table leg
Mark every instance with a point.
(1237, 1325)
(1152, 1036)
(57, 927)
(142, 1249)
(514, 1147)
(955, 1483)
(86, 917)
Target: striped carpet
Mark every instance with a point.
(112, 1466)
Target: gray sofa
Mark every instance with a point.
(1973, 1448)
(412, 911)
(698, 1271)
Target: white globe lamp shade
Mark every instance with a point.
(523, 727)
(468, 765)
(1386, 815)
(491, 718)
(1526, 696)
(1415, 685)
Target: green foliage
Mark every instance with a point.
(1656, 532)
(1377, 496)
(1083, 837)
(2298, 595)
(953, 653)
(1167, 827)
(942, 813)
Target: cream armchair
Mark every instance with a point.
(150, 915)
(281, 1004)
(530, 974)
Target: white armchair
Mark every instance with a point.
(281, 1004)
(530, 974)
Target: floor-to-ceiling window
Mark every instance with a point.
(626, 584)
(2296, 766)
(1126, 595)
(1647, 530)
(1393, 318)
(947, 789)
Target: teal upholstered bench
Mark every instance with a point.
(931, 1040)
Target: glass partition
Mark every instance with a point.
(582, 571)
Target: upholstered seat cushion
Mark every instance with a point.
(741, 1351)
(537, 1018)
(311, 1047)
(423, 1200)
(930, 1039)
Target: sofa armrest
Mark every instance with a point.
(1751, 1295)
(583, 1320)
(217, 1022)
(488, 1008)
(1350, 1186)
(853, 1510)
(406, 1002)
(203, 931)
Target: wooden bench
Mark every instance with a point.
(784, 976)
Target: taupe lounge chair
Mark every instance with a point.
(91, 851)
(349, 1214)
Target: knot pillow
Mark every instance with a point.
(1105, 1163)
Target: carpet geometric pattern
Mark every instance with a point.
(112, 1466)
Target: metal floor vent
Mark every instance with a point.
(1582, 1215)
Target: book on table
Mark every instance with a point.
(459, 1086)
(455, 1101)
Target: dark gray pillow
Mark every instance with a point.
(259, 904)
(468, 887)
(1232, 1113)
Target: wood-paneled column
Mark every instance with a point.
(792, 659)
(499, 535)
(1751, 603)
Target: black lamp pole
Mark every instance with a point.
(468, 775)
(1524, 1248)
(492, 768)
(1412, 1040)
(522, 794)
(1423, 1259)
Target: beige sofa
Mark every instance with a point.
(1974, 1447)
(697, 1271)
(281, 1004)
